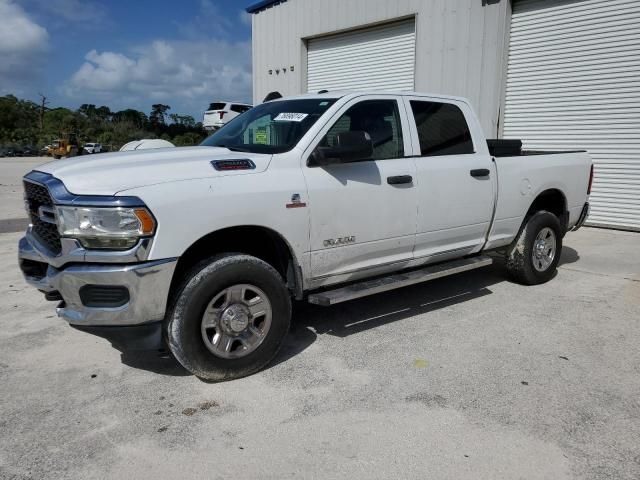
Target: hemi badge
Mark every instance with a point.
(239, 164)
(295, 202)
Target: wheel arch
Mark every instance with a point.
(259, 241)
(552, 200)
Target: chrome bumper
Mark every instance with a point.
(147, 282)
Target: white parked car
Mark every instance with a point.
(92, 148)
(324, 198)
(220, 113)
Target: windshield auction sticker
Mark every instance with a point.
(260, 136)
(290, 117)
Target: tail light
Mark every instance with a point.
(221, 114)
(590, 181)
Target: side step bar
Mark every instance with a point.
(397, 280)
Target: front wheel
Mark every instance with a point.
(533, 256)
(230, 317)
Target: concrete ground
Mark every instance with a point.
(467, 377)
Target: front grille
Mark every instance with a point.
(37, 196)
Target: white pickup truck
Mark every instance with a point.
(326, 197)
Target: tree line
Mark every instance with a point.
(25, 123)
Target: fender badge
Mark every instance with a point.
(336, 242)
(296, 202)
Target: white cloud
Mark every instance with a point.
(191, 72)
(22, 44)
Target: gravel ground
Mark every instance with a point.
(467, 377)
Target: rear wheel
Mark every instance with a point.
(230, 317)
(533, 256)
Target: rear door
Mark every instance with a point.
(455, 188)
(363, 214)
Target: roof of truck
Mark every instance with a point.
(357, 93)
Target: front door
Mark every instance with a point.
(363, 213)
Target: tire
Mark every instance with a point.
(215, 299)
(528, 258)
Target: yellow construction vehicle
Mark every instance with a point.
(66, 146)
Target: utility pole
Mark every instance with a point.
(43, 105)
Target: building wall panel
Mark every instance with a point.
(459, 45)
(574, 83)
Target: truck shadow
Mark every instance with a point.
(367, 313)
(360, 315)
(158, 361)
(371, 312)
(569, 255)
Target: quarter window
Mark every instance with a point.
(380, 119)
(442, 129)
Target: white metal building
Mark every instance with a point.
(558, 74)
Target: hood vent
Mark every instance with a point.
(238, 164)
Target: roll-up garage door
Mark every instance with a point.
(376, 58)
(574, 83)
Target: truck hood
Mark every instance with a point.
(110, 173)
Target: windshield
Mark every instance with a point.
(272, 127)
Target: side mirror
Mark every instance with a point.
(350, 147)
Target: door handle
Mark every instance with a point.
(480, 172)
(399, 179)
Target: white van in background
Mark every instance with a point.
(220, 113)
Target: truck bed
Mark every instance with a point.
(520, 181)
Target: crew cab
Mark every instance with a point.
(323, 198)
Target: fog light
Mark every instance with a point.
(108, 243)
(104, 296)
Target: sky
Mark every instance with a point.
(127, 53)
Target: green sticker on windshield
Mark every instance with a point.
(260, 136)
(322, 104)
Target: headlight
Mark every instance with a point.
(110, 228)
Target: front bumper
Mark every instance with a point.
(147, 284)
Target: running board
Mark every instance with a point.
(398, 280)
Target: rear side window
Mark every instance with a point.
(442, 129)
(239, 108)
(380, 119)
(217, 106)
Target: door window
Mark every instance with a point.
(380, 119)
(442, 129)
